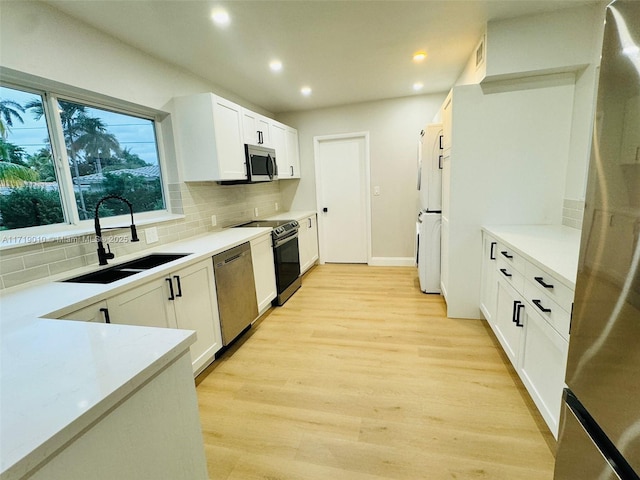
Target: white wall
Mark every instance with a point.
(394, 126)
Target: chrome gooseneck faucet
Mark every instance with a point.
(104, 255)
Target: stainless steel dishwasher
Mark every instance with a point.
(236, 290)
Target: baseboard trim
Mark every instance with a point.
(392, 262)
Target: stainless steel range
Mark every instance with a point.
(285, 255)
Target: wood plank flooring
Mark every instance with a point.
(360, 376)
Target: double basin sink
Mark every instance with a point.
(124, 270)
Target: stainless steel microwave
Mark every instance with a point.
(261, 163)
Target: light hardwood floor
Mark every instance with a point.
(360, 376)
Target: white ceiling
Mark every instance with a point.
(346, 51)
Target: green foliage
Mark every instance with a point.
(11, 153)
(29, 207)
(143, 194)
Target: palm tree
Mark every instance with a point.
(8, 111)
(13, 175)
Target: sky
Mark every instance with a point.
(136, 134)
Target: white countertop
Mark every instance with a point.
(59, 377)
(292, 215)
(554, 248)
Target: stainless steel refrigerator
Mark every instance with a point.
(600, 423)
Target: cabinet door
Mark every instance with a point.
(263, 271)
(279, 143)
(227, 121)
(96, 312)
(147, 305)
(509, 321)
(196, 308)
(256, 129)
(293, 154)
(308, 243)
(489, 280)
(543, 365)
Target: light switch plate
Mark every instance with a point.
(214, 221)
(277, 206)
(151, 235)
(255, 212)
(376, 190)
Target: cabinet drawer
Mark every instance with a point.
(511, 275)
(512, 259)
(557, 317)
(549, 286)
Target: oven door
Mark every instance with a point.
(287, 263)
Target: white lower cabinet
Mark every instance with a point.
(543, 365)
(528, 310)
(308, 243)
(508, 326)
(489, 290)
(184, 298)
(263, 271)
(97, 312)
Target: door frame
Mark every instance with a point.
(366, 193)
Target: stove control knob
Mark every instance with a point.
(279, 230)
(295, 223)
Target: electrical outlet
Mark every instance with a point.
(376, 190)
(214, 221)
(151, 235)
(277, 206)
(255, 212)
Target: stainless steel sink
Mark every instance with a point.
(118, 272)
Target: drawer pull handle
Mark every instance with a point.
(105, 313)
(492, 254)
(506, 254)
(171, 294)
(505, 273)
(540, 280)
(539, 305)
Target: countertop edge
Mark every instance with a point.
(503, 232)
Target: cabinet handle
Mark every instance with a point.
(171, 295)
(515, 306)
(541, 282)
(539, 305)
(177, 277)
(506, 254)
(105, 313)
(291, 167)
(492, 254)
(309, 220)
(505, 273)
(440, 141)
(440, 162)
(516, 317)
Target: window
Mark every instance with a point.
(103, 153)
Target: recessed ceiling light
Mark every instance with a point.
(417, 86)
(220, 16)
(419, 56)
(275, 65)
(306, 91)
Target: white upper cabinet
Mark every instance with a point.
(211, 132)
(209, 138)
(293, 154)
(285, 142)
(279, 143)
(256, 129)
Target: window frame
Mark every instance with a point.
(72, 225)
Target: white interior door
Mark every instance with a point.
(342, 184)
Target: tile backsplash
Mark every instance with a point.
(231, 204)
(572, 213)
